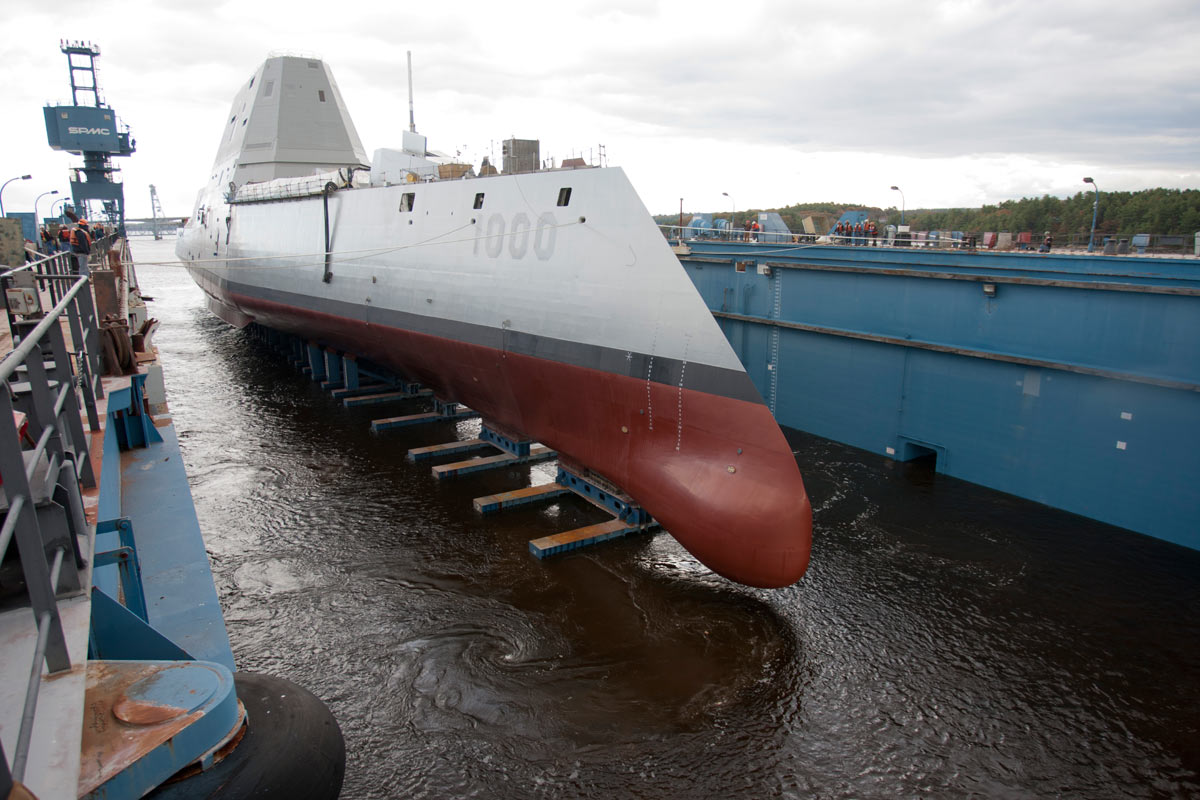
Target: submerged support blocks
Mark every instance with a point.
(537, 452)
(610, 498)
(509, 444)
(518, 497)
(581, 537)
(407, 392)
(514, 449)
(333, 370)
(350, 368)
(442, 412)
(362, 391)
(316, 361)
(628, 516)
(448, 449)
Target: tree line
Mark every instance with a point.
(1157, 211)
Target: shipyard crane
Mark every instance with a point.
(155, 211)
(89, 127)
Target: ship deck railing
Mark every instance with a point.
(44, 459)
(1118, 244)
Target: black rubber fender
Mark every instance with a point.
(292, 748)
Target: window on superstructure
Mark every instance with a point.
(268, 88)
(321, 95)
(564, 196)
(479, 200)
(407, 201)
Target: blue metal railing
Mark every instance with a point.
(41, 379)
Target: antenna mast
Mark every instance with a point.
(412, 120)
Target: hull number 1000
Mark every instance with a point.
(499, 235)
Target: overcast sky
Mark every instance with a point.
(958, 103)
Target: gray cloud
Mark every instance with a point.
(1066, 81)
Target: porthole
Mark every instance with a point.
(407, 201)
(564, 196)
(478, 200)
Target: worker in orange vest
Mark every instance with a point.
(81, 246)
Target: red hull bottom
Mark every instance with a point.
(717, 473)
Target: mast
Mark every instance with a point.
(412, 120)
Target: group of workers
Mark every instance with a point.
(751, 229)
(76, 239)
(859, 234)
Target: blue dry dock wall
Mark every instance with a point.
(1060, 380)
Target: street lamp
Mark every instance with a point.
(6, 183)
(56, 202)
(732, 213)
(1095, 210)
(897, 189)
(37, 222)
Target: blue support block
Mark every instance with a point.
(333, 370)
(362, 390)
(442, 412)
(518, 497)
(386, 397)
(536, 453)
(350, 368)
(581, 537)
(621, 506)
(299, 357)
(316, 361)
(449, 449)
(517, 447)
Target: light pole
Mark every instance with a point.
(6, 183)
(732, 213)
(897, 189)
(1095, 210)
(37, 222)
(60, 211)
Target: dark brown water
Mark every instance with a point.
(948, 641)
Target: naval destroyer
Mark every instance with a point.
(547, 300)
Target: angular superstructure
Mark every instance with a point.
(288, 120)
